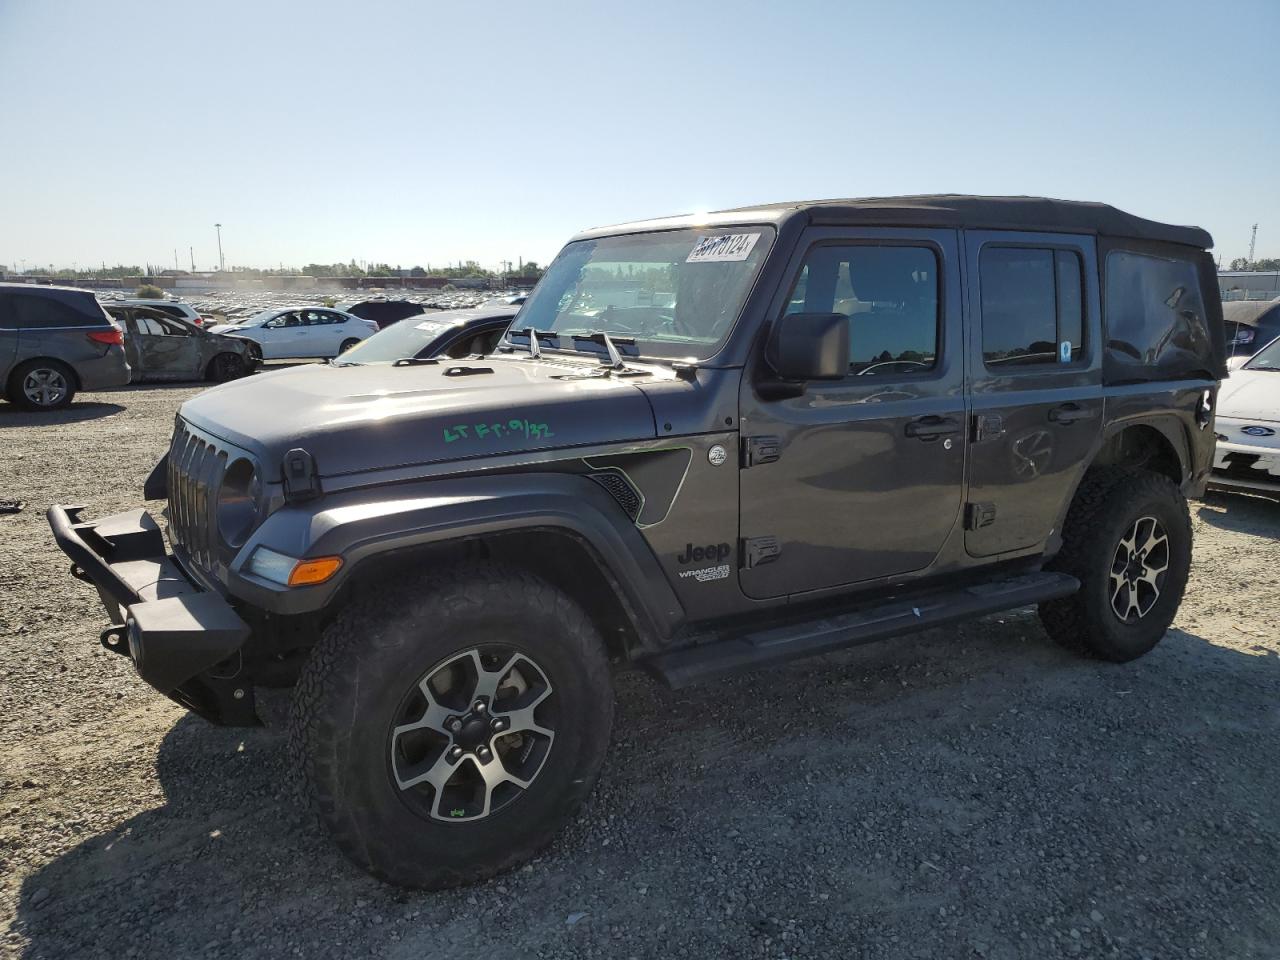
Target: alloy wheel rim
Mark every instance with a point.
(1138, 569)
(44, 386)
(473, 734)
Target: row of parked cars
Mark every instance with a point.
(55, 341)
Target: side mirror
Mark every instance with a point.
(1235, 363)
(810, 346)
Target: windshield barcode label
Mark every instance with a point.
(723, 248)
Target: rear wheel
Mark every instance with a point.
(348, 344)
(1127, 540)
(444, 734)
(226, 366)
(42, 385)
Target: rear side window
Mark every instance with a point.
(1032, 306)
(889, 294)
(43, 313)
(1155, 319)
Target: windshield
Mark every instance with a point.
(674, 294)
(1268, 358)
(408, 338)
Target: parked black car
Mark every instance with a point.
(450, 333)
(1251, 325)
(734, 440)
(55, 341)
(162, 347)
(381, 311)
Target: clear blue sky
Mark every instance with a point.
(422, 132)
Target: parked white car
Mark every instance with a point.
(1248, 425)
(298, 332)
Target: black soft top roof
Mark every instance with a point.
(1039, 214)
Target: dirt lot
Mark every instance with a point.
(970, 792)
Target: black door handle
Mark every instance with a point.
(1070, 412)
(931, 428)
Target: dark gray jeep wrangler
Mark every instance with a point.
(706, 444)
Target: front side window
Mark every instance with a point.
(676, 293)
(889, 294)
(1032, 306)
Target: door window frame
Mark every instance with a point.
(1085, 368)
(949, 329)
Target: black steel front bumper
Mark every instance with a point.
(183, 640)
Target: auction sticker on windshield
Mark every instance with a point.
(724, 248)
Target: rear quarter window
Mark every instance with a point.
(42, 312)
(1155, 319)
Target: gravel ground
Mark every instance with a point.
(964, 792)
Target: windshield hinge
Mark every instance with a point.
(301, 480)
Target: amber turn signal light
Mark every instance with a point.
(308, 572)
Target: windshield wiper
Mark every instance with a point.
(615, 358)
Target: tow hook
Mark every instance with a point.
(116, 639)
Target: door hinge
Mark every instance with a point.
(757, 551)
(757, 450)
(978, 515)
(987, 426)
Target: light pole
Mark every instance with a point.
(222, 263)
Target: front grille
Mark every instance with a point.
(196, 466)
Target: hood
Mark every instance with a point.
(359, 418)
(1250, 395)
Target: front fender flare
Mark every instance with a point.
(361, 524)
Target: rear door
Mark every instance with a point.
(860, 478)
(1035, 362)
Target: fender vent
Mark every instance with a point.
(620, 488)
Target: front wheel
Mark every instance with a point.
(446, 733)
(1127, 540)
(225, 366)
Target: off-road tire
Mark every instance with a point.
(17, 393)
(1107, 504)
(345, 706)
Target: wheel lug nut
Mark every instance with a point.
(455, 753)
(499, 723)
(455, 725)
(479, 706)
(484, 754)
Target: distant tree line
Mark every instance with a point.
(1242, 263)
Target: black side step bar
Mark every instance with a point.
(680, 668)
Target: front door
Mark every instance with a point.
(1036, 383)
(860, 478)
(166, 348)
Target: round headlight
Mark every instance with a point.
(239, 499)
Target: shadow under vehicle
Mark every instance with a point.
(705, 444)
(162, 347)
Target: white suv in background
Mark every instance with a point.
(297, 332)
(175, 308)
